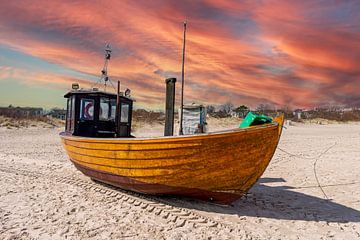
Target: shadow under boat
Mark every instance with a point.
(276, 202)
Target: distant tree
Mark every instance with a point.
(264, 108)
(210, 109)
(242, 110)
(224, 110)
(288, 112)
(227, 108)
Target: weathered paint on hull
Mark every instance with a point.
(219, 167)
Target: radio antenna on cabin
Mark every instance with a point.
(104, 71)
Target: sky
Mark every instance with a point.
(300, 54)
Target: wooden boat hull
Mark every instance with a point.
(217, 167)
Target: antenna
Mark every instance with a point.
(104, 71)
(182, 83)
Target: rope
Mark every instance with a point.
(314, 165)
(290, 154)
(330, 185)
(315, 173)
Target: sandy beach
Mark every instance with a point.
(311, 190)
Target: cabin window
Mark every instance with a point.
(124, 117)
(107, 109)
(112, 109)
(72, 114)
(87, 109)
(104, 109)
(67, 124)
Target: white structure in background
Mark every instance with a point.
(194, 120)
(298, 113)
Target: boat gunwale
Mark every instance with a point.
(67, 136)
(194, 146)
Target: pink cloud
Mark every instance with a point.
(292, 54)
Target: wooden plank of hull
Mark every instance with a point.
(157, 189)
(227, 163)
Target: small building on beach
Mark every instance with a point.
(57, 113)
(21, 112)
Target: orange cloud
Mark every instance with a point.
(283, 52)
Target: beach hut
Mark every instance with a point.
(194, 120)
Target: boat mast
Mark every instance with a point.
(104, 71)
(182, 83)
(117, 114)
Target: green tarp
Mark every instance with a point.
(252, 119)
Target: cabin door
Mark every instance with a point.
(87, 117)
(124, 121)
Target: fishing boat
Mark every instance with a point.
(218, 166)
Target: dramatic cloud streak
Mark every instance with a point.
(301, 54)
